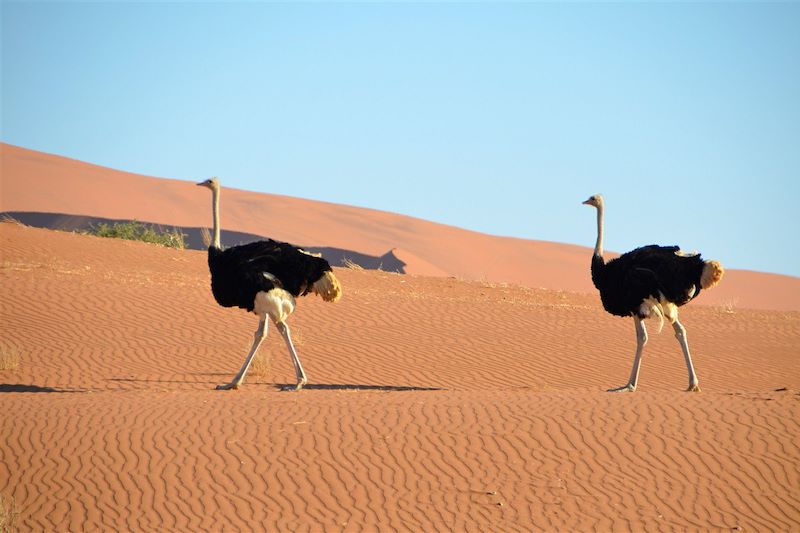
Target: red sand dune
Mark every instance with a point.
(38, 182)
(433, 404)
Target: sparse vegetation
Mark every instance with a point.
(5, 218)
(261, 365)
(205, 234)
(352, 265)
(262, 362)
(9, 359)
(297, 337)
(136, 231)
(728, 307)
(8, 514)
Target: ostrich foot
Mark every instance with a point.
(301, 384)
(693, 387)
(624, 388)
(228, 386)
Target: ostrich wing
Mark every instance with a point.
(279, 264)
(641, 283)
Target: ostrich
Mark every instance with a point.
(650, 281)
(264, 277)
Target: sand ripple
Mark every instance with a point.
(433, 404)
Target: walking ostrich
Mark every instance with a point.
(647, 281)
(264, 277)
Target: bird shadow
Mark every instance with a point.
(292, 386)
(353, 387)
(19, 387)
(179, 381)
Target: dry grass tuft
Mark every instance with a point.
(5, 218)
(728, 307)
(262, 364)
(297, 337)
(8, 514)
(9, 358)
(352, 265)
(205, 234)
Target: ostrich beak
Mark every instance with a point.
(585, 202)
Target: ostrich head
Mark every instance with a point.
(595, 200)
(211, 183)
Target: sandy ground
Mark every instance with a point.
(44, 183)
(434, 404)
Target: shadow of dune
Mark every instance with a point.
(387, 262)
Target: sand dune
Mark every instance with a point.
(57, 189)
(433, 404)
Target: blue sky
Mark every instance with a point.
(496, 117)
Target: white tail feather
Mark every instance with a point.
(661, 308)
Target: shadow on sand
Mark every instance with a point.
(280, 386)
(18, 387)
(351, 387)
(387, 262)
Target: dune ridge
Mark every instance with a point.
(433, 404)
(59, 188)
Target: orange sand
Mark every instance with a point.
(37, 182)
(433, 404)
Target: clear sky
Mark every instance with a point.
(496, 117)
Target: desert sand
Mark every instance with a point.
(65, 193)
(433, 404)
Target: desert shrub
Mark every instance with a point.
(9, 359)
(352, 265)
(8, 514)
(136, 231)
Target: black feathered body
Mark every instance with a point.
(647, 272)
(238, 273)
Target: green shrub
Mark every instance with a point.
(136, 231)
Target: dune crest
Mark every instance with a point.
(44, 184)
(417, 265)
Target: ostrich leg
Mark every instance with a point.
(298, 368)
(259, 336)
(680, 334)
(641, 340)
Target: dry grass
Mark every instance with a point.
(9, 358)
(5, 218)
(8, 514)
(728, 307)
(297, 337)
(352, 265)
(205, 234)
(261, 365)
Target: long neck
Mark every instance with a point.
(215, 207)
(598, 247)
